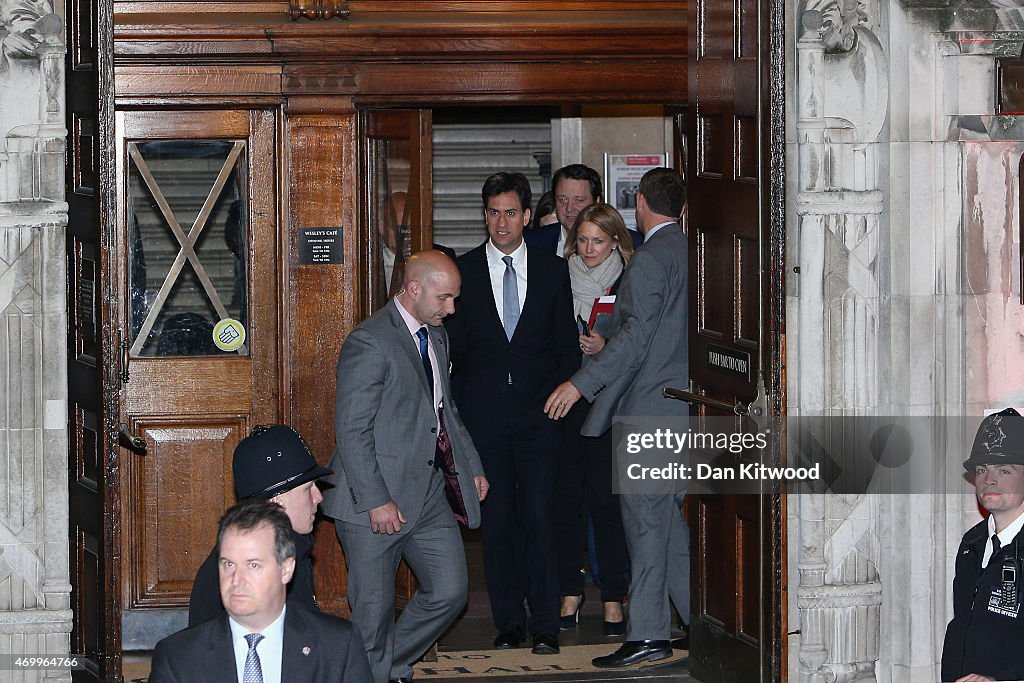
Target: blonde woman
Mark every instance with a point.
(597, 249)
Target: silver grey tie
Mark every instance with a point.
(252, 672)
(509, 298)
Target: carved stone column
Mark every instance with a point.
(35, 614)
(842, 83)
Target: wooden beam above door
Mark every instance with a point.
(540, 52)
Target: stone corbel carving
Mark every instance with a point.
(32, 159)
(26, 27)
(318, 9)
(852, 68)
(838, 19)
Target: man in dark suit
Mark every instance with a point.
(513, 340)
(647, 351)
(272, 463)
(260, 639)
(405, 469)
(575, 187)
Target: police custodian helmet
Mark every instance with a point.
(271, 460)
(1000, 440)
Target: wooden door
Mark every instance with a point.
(196, 267)
(735, 622)
(398, 156)
(95, 630)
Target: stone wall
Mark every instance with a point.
(35, 614)
(902, 202)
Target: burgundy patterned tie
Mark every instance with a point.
(445, 461)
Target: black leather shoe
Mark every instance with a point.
(510, 637)
(400, 679)
(633, 652)
(545, 644)
(681, 643)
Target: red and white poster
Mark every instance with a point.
(622, 173)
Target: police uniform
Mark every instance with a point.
(271, 460)
(986, 633)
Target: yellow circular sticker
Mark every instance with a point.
(228, 334)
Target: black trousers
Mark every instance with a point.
(520, 561)
(584, 487)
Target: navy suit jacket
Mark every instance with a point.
(543, 352)
(318, 648)
(545, 238)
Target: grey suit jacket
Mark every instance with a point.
(649, 347)
(317, 648)
(385, 427)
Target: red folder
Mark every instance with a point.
(603, 306)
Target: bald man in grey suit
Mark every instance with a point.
(405, 469)
(647, 351)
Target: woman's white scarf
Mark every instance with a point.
(590, 283)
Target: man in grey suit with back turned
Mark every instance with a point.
(647, 351)
(405, 469)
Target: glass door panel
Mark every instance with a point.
(187, 246)
(397, 194)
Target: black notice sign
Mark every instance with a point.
(729, 361)
(320, 245)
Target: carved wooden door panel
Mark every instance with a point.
(95, 631)
(196, 266)
(728, 106)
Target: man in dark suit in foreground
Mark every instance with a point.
(513, 340)
(648, 350)
(405, 470)
(260, 639)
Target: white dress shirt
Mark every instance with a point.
(656, 228)
(563, 234)
(1005, 536)
(496, 269)
(269, 649)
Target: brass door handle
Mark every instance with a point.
(123, 364)
(130, 441)
(692, 397)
